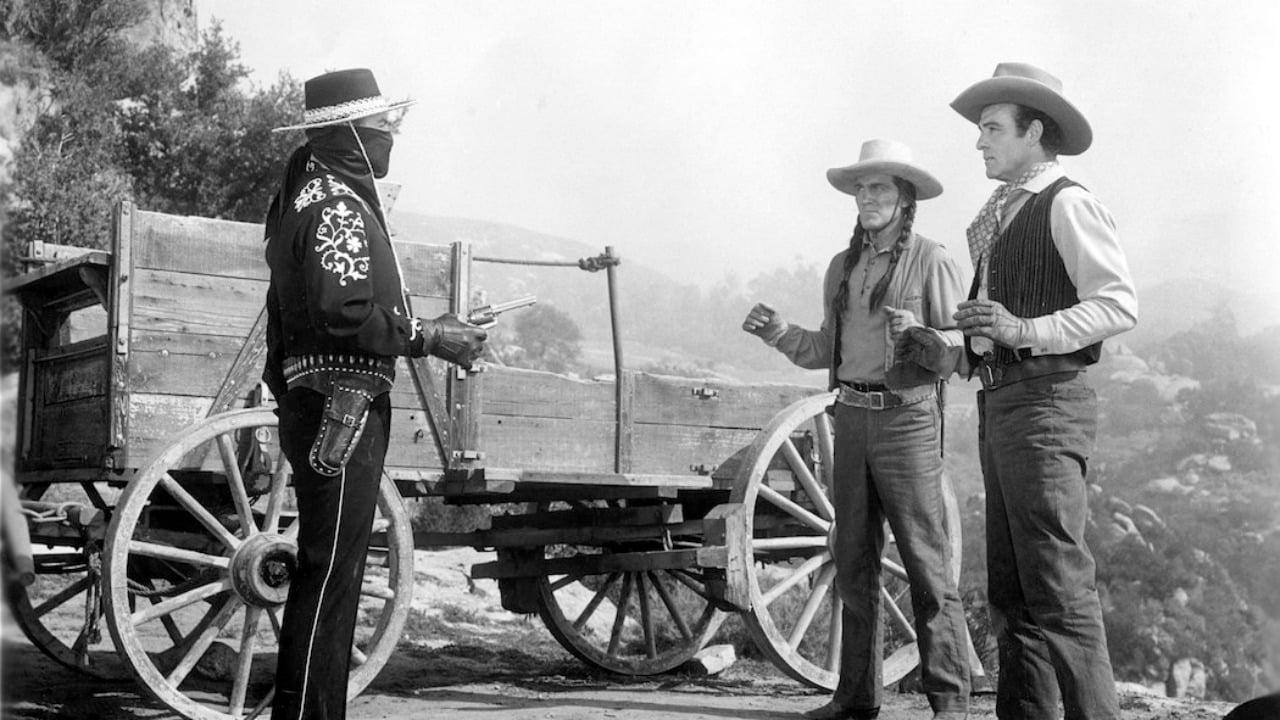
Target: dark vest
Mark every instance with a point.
(1026, 274)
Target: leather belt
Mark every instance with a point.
(849, 395)
(375, 368)
(997, 376)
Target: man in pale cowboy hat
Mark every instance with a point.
(1050, 283)
(337, 317)
(890, 283)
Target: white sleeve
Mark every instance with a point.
(1085, 236)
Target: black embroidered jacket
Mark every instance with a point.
(335, 283)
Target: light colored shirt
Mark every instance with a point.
(862, 338)
(1084, 234)
(926, 282)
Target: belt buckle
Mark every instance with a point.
(875, 400)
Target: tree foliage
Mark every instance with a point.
(172, 132)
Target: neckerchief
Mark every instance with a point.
(985, 228)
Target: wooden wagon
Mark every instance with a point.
(636, 513)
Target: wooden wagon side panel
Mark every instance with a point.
(197, 289)
(541, 421)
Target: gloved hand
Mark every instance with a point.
(765, 322)
(449, 338)
(924, 347)
(899, 320)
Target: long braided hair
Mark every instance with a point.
(907, 200)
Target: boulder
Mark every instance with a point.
(1186, 679)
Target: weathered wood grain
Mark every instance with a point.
(234, 249)
(185, 303)
(676, 401)
(73, 376)
(70, 433)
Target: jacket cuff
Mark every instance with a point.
(773, 338)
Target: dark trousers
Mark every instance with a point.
(888, 465)
(1035, 438)
(335, 516)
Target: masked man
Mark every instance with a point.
(337, 317)
(1050, 283)
(890, 283)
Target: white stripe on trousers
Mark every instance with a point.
(333, 553)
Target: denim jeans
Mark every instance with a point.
(1035, 438)
(888, 466)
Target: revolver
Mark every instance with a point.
(486, 316)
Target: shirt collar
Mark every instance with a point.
(1038, 183)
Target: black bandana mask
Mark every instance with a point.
(339, 148)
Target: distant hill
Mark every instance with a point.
(1176, 305)
(689, 325)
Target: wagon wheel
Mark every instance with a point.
(784, 483)
(642, 622)
(211, 552)
(61, 611)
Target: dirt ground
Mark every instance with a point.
(463, 658)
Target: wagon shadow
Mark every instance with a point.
(36, 688)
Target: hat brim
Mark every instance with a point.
(1077, 136)
(348, 118)
(843, 178)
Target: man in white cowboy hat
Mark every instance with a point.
(889, 283)
(1051, 282)
(337, 317)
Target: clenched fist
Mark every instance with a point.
(899, 321)
(764, 321)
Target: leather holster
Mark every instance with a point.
(347, 398)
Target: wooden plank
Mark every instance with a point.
(588, 564)
(57, 279)
(547, 443)
(552, 493)
(595, 516)
(180, 302)
(681, 448)
(155, 421)
(67, 376)
(120, 331)
(199, 245)
(689, 401)
(70, 433)
(571, 535)
(535, 393)
(236, 250)
(624, 415)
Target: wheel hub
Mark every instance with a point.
(262, 568)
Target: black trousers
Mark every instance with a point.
(335, 516)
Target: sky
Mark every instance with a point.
(694, 136)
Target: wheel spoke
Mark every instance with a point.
(595, 601)
(177, 602)
(816, 596)
(236, 482)
(686, 578)
(806, 568)
(811, 487)
(291, 532)
(63, 596)
(646, 617)
(898, 616)
(244, 664)
(797, 542)
(357, 655)
(275, 497)
(619, 619)
(670, 603)
(169, 552)
(194, 507)
(566, 580)
(273, 614)
(835, 637)
(379, 591)
(202, 641)
(794, 510)
(894, 569)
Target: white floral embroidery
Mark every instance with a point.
(337, 187)
(309, 194)
(341, 243)
(311, 165)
